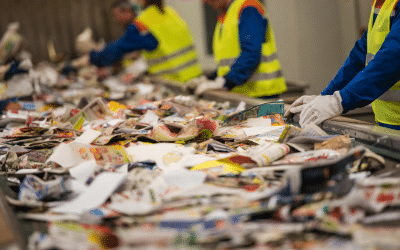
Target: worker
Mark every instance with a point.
(14, 60)
(244, 50)
(162, 36)
(370, 74)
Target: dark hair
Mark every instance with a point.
(158, 3)
(122, 4)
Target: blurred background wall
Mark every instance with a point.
(59, 21)
(313, 37)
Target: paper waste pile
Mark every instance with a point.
(124, 164)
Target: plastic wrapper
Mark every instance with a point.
(34, 188)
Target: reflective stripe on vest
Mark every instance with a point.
(177, 69)
(230, 61)
(369, 57)
(152, 62)
(376, 11)
(265, 76)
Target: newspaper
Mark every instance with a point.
(269, 108)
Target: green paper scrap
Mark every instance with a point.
(269, 108)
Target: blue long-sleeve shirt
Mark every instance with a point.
(359, 85)
(131, 40)
(252, 29)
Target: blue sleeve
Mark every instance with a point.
(14, 70)
(354, 64)
(252, 28)
(379, 75)
(132, 40)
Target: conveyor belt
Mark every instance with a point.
(381, 140)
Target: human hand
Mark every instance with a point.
(298, 105)
(321, 108)
(218, 83)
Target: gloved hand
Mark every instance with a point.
(84, 43)
(321, 109)
(191, 85)
(298, 105)
(26, 64)
(137, 68)
(218, 83)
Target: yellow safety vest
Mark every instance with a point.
(267, 80)
(175, 56)
(387, 106)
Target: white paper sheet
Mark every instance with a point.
(114, 122)
(196, 159)
(83, 171)
(130, 207)
(98, 192)
(27, 171)
(260, 130)
(184, 178)
(150, 118)
(156, 151)
(241, 106)
(49, 217)
(257, 122)
(65, 156)
(144, 89)
(88, 136)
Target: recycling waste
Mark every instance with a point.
(121, 163)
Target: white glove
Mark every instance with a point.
(321, 109)
(138, 67)
(192, 84)
(218, 83)
(298, 105)
(84, 43)
(26, 64)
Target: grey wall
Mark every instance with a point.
(59, 21)
(313, 37)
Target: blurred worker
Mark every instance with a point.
(162, 36)
(245, 51)
(14, 61)
(370, 74)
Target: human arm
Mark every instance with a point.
(252, 29)
(379, 75)
(132, 40)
